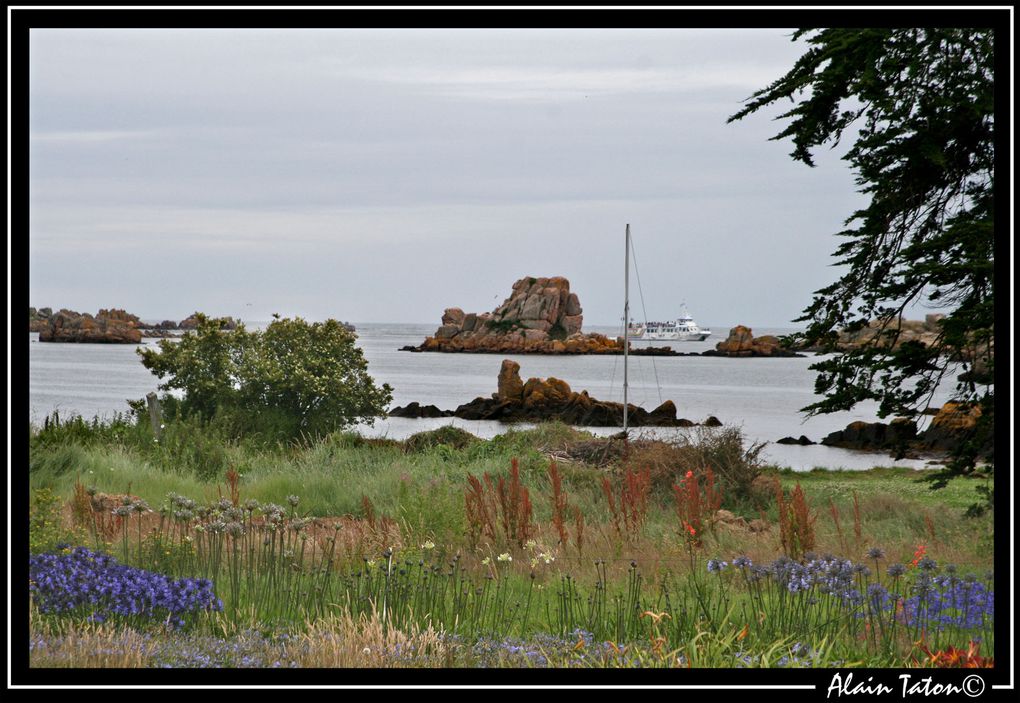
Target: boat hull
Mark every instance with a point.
(688, 337)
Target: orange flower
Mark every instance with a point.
(919, 554)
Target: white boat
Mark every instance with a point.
(682, 329)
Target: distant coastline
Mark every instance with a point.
(113, 326)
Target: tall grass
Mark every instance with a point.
(373, 531)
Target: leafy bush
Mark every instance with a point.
(293, 378)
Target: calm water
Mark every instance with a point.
(762, 396)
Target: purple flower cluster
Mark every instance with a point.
(95, 583)
(937, 601)
(948, 601)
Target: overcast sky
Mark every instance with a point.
(383, 175)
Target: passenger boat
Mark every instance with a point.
(682, 329)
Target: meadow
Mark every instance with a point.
(538, 548)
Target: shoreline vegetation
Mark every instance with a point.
(546, 547)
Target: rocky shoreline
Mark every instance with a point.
(952, 424)
(541, 399)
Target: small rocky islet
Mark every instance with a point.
(114, 326)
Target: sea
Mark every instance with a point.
(763, 397)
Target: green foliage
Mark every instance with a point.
(294, 378)
(188, 446)
(45, 527)
(923, 102)
(51, 461)
(56, 431)
(558, 331)
(505, 325)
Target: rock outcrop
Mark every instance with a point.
(38, 320)
(415, 410)
(874, 436)
(107, 327)
(802, 441)
(883, 334)
(952, 425)
(895, 333)
(742, 343)
(191, 322)
(541, 316)
(550, 398)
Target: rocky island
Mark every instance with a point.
(112, 326)
(742, 343)
(539, 399)
(541, 316)
(107, 327)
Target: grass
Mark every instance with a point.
(376, 515)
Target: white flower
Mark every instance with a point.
(505, 556)
(429, 544)
(485, 561)
(547, 558)
(534, 562)
(531, 544)
(366, 650)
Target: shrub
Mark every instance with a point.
(721, 450)
(449, 436)
(300, 377)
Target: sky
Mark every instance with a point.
(384, 175)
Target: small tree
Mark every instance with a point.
(311, 374)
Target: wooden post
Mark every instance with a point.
(155, 415)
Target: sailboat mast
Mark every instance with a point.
(626, 321)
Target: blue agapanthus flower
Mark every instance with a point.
(96, 584)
